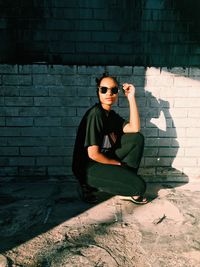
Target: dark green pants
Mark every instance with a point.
(120, 180)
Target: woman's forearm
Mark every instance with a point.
(95, 154)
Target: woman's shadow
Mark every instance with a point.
(161, 146)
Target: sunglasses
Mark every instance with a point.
(104, 89)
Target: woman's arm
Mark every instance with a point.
(134, 122)
(95, 154)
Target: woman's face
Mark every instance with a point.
(110, 97)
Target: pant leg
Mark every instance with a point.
(130, 149)
(114, 179)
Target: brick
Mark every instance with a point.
(2, 121)
(32, 111)
(173, 132)
(168, 171)
(167, 142)
(61, 24)
(158, 161)
(4, 161)
(155, 103)
(58, 171)
(32, 171)
(88, 70)
(86, 91)
(9, 91)
(61, 111)
(25, 69)
(150, 152)
(18, 101)
(76, 101)
(186, 122)
(167, 81)
(78, 36)
(8, 69)
(62, 70)
(194, 72)
(58, 141)
(85, 47)
(48, 101)
(184, 162)
(62, 47)
(60, 151)
(85, 25)
(78, 80)
(139, 71)
(3, 141)
(34, 131)
(174, 92)
(39, 79)
(47, 121)
(116, 71)
(193, 91)
(187, 102)
(179, 71)
(34, 91)
(62, 91)
(71, 121)
(181, 82)
(1, 101)
(33, 151)
(170, 152)
(67, 161)
(9, 151)
(17, 79)
(149, 171)
(21, 161)
(193, 132)
(49, 161)
(177, 113)
(31, 141)
(81, 111)
(192, 152)
(191, 171)
(9, 131)
(153, 132)
(63, 131)
(8, 171)
(19, 121)
(106, 37)
(119, 48)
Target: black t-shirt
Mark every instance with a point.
(98, 127)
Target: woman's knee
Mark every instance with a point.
(133, 138)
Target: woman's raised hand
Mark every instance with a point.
(129, 90)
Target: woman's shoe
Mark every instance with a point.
(86, 193)
(139, 200)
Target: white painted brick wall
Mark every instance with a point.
(41, 107)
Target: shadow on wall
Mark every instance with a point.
(158, 127)
(21, 23)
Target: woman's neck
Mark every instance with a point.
(106, 107)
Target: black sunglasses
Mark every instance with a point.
(104, 89)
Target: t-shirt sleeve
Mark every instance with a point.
(94, 130)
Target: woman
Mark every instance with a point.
(108, 149)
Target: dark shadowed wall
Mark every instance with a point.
(108, 32)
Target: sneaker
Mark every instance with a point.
(87, 193)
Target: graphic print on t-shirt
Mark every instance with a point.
(108, 141)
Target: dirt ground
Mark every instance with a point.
(46, 224)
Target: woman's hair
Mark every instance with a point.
(105, 75)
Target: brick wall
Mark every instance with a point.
(41, 107)
(100, 32)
